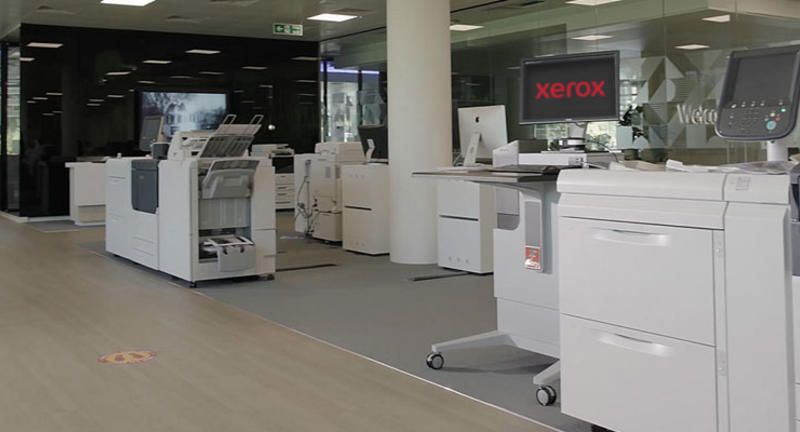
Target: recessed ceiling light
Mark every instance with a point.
(330, 17)
(182, 77)
(307, 94)
(31, 102)
(306, 81)
(48, 114)
(54, 94)
(115, 96)
(514, 68)
(40, 98)
(464, 27)
(592, 37)
(211, 73)
(255, 68)
(591, 2)
(305, 58)
(692, 47)
(139, 3)
(96, 100)
(719, 18)
(93, 104)
(118, 73)
(203, 51)
(27, 59)
(48, 45)
(146, 82)
(265, 86)
(157, 62)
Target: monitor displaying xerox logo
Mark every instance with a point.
(570, 88)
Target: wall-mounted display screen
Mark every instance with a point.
(571, 88)
(183, 111)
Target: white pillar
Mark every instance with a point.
(420, 131)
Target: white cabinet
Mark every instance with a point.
(630, 381)
(365, 221)
(641, 299)
(467, 219)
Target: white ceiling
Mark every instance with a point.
(245, 18)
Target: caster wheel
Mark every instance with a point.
(546, 396)
(192, 285)
(435, 361)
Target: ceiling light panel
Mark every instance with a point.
(27, 59)
(305, 58)
(157, 62)
(592, 37)
(718, 19)
(331, 17)
(254, 68)
(118, 73)
(46, 45)
(203, 51)
(139, 3)
(692, 47)
(591, 2)
(464, 27)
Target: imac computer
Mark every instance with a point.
(482, 130)
(572, 89)
(760, 98)
(375, 140)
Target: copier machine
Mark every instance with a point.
(318, 179)
(205, 212)
(676, 288)
(526, 280)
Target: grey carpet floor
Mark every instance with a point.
(370, 306)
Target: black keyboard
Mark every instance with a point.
(528, 169)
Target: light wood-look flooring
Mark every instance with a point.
(217, 369)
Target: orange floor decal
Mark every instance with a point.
(127, 357)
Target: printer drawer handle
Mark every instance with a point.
(635, 344)
(632, 237)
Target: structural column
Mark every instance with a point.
(420, 117)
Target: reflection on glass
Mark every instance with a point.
(13, 131)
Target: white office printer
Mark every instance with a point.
(206, 212)
(282, 157)
(676, 298)
(320, 202)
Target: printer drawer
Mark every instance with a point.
(630, 381)
(652, 278)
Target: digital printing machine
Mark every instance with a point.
(202, 210)
(525, 244)
(318, 180)
(697, 334)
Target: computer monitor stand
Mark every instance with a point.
(471, 156)
(576, 137)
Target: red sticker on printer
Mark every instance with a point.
(533, 258)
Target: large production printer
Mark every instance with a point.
(525, 244)
(198, 209)
(318, 185)
(698, 332)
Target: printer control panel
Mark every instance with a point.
(765, 119)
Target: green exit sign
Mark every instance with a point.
(287, 29)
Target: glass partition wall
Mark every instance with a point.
(673, 57)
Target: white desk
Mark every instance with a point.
(87, 193)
